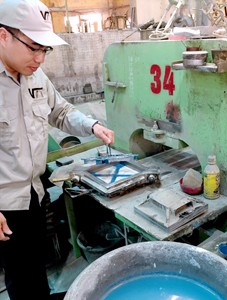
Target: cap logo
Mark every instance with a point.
(45, 15)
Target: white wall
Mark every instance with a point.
(149, 9)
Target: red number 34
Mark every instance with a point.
(168, 82)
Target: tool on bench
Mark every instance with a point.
(107, 157)
(77, 191)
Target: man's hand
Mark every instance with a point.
(103, 133)
(4, 229)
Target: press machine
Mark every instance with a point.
(153, 104)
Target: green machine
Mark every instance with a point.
(153, 101)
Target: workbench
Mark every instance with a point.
(123, 206)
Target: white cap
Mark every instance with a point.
(31, 17)
(212, 159)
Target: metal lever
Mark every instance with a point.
(108, 150)
(114, 92)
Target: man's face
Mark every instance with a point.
(20, 54)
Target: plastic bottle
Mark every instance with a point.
(211, 182)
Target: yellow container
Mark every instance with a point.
(211, 181)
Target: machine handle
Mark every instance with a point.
(116, 84)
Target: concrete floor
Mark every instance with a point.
(61, 276)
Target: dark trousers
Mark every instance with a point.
(22, 257)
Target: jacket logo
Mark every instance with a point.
(45, 15)
(36, 93)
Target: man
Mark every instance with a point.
(28, 102)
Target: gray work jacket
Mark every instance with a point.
(26, 108)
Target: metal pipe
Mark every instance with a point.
(67, 17)
(52, 156)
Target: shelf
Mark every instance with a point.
(208, 67)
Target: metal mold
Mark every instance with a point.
(170, 209)
(118, 177)
(194, 58)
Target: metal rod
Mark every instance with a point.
(52, 156)
(67, 16)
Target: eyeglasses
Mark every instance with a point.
(35, 51)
